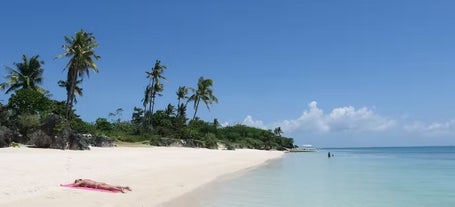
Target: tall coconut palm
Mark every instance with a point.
(155, 86)
(81, 51)
(28, 74)
(204, 92)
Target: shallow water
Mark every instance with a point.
(367, 177)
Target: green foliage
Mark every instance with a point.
(250, 137)
(210, 141)
(103, 125)
(27, 75)
(155, 139)
(204, 93)
(251, 143)
(27, 101)
(82, 127)
(58, 107)
(28, 123)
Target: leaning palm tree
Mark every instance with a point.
(27, 75)
(81, 51)
(204, 92)
(77, 90)
(155, 86)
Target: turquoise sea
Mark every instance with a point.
(354, 177)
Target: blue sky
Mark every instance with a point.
(329, 73)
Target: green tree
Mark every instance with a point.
(203, 92)
(28, 75)
(103, 125)
(81, 51)
(27, 101)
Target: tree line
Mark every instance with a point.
(29, 104)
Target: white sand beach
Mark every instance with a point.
(31, 177)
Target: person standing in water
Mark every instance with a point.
(328, 155)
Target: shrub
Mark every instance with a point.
(210, 141)
(26, 101)
(28, 123)
(103, 125)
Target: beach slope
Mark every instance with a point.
(32, 177)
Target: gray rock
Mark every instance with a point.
(78, 142)
(103, 141)
(56, 134)
(40, 139)
(6, 136)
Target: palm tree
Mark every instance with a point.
(277, 131)
(77, 89)
(155, 86)
(147, 97)
(204, 92)
(81, 51)
(181, 94)
(170, 110)
(27, 75)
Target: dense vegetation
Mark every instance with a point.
(29, 105)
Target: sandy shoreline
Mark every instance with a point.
(31, 177)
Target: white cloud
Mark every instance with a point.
(352, 120)
(311, 120)
(339, 119)
(433, 129)
(250, 122)
(363, 119)
(225, 124)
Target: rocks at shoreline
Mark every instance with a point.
(169, 142)
(54, 133)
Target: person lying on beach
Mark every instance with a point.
(99, 185)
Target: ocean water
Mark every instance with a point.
(354, 177)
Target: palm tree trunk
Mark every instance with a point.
(151, 96)
(152, 102)
(70, 98)
(195, 109)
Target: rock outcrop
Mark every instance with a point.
(6, 136)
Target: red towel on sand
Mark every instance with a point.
(71, 185)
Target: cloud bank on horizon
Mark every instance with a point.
(350, 119)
